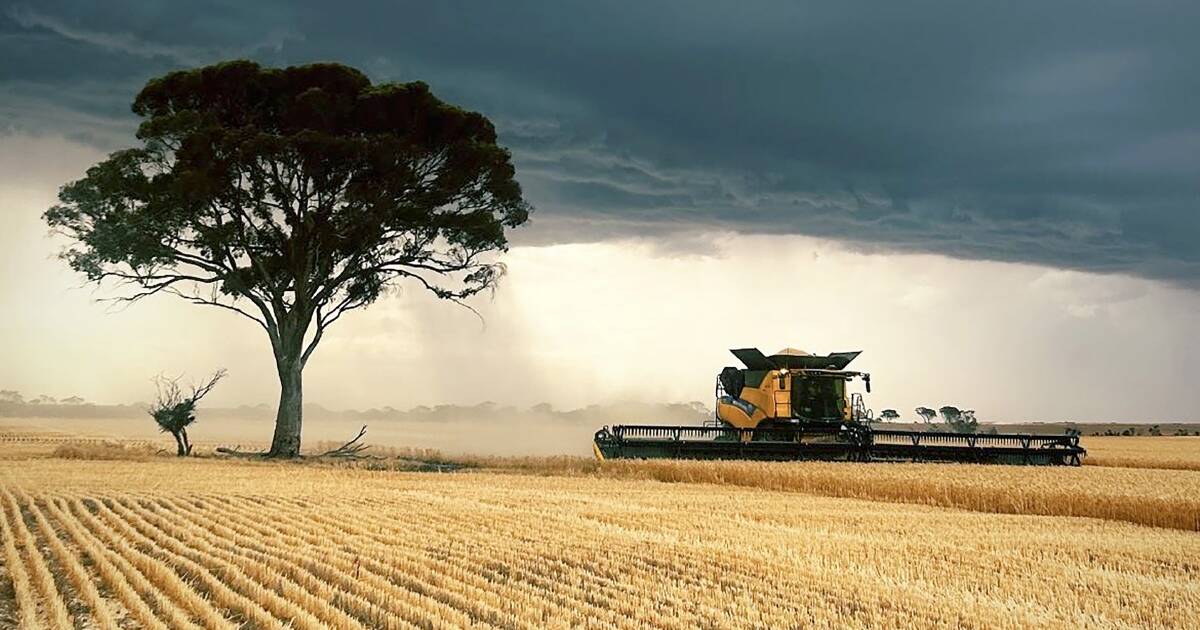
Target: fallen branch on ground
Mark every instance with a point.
(238, 452)
(351, 449)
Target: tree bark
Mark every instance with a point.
(286, 442)
(179, 449)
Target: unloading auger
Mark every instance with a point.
(794, 405)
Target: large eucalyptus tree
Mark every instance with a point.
(290, 197)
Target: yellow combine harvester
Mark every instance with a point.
(794, 405)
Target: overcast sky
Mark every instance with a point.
(997, 202)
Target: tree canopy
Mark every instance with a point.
(950, 414)
(292, 196)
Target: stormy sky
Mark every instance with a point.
(997, 201)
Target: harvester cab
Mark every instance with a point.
(791, 388)
(794, 405)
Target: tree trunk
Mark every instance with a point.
(179, 449)
(286, 442)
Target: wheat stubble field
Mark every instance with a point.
(206, 543)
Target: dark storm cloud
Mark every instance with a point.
(1061, 133)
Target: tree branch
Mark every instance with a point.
(195, 299)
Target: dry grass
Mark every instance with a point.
(1172, 453)
(1151, 496)
(1162, 498)
(107, 451)
(428, 459)
(229, 544)
(1143, 491)
(375, 450)
(1143, 480)
(26, 442)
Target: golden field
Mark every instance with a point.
(206, 543)
(1175, 452)
(1161, 498)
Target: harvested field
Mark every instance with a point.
(99, 534)
(217, 544)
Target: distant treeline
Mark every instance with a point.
(642, 413)
(1142, 428)
(56, 410)
(693, 413)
